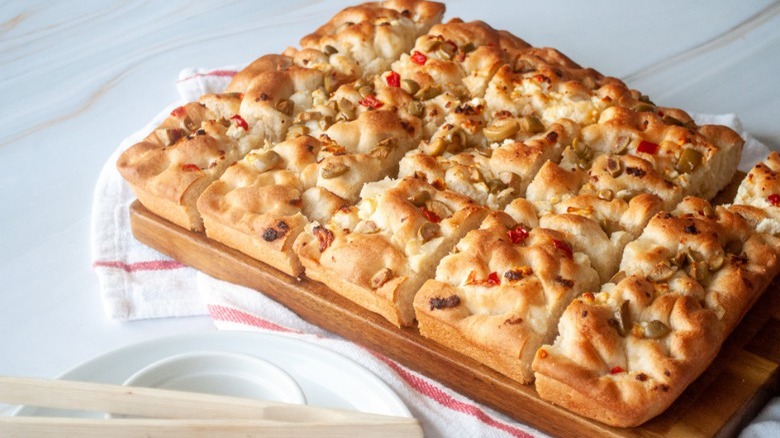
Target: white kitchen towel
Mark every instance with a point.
(137, 282)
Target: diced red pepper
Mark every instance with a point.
(240, 122)
(431, 216)
(189, 167)
(518, 234)
(493, 279)
(419, 58)
(647, 147)
(774, 199)
(393, 79)
(616, 370)
(179, 111)
(370, 101)
(563, 246)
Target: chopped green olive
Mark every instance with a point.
(333, 169)
(690, 159)
(501, 129)
(656, 329)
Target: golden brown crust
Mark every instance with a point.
(172, 166)
(380, 252)
(498, 297)
(625, 379)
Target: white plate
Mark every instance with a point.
(327, 379)
(220, 373)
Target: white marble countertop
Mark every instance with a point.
(78, 77)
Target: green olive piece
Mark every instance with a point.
(297, 131)
(614, 167)
(267, 160)
(428, 231)
(456, 141)
(606, 194)
(333, 169)
(698, 270)
(380, 278)
(656, 329)
(623, 318)
(437, 147)
(329, 83)
(430, 44)
(366, 90)
(669, 120)
(618, 277)
(661, 272)
(495, 185)
(420, 198)
(689, 160)
(415, 108)
(169, 136)
(447, 50)
(439, 208)
(329, 50)
(285, 106)
(531, 124)
(484, 149)
(715, 262)
(468, 47)
(428, 92)
(621, 144)
(643, 107)
(410, 86)
(501, 129)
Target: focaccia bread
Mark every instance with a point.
(379, 252)
(635, 346)
(497, 298)
(175, 163)
(528, 212)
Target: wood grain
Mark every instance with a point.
(719, 403)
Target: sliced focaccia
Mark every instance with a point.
(261, 204)
(714, 252)
(635, 346)
(758, 196)
(700, 160)
(364, 40)
(491, 167)
(172, 166)
(498, 296)
(623, 355)
(381, 251)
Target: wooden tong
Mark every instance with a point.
(177, 413)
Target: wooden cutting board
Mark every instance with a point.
(732, 390)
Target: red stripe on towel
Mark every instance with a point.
(229, 314)
(154, 265)
(432, 391)
(218, 73)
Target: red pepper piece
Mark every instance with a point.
(493, 279)
(616, 370)
(431, 216)
(419, 58)
(370, 101)
(179, 111)
(774, 199)
(240, 122)
(647, 147)
(393, 79)
(189, 167)
(518, 234)
(563, 246)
